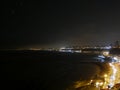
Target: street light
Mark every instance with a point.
(105, 75)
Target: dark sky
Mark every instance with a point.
(36, 23)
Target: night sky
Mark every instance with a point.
(36, 23)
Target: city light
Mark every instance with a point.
(106, 53)
(105, 75)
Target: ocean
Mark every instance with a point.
(49, 70)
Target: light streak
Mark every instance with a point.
(113, 76)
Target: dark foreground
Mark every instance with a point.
(40, 70)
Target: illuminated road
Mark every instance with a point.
(113, 78)
(108, 81)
